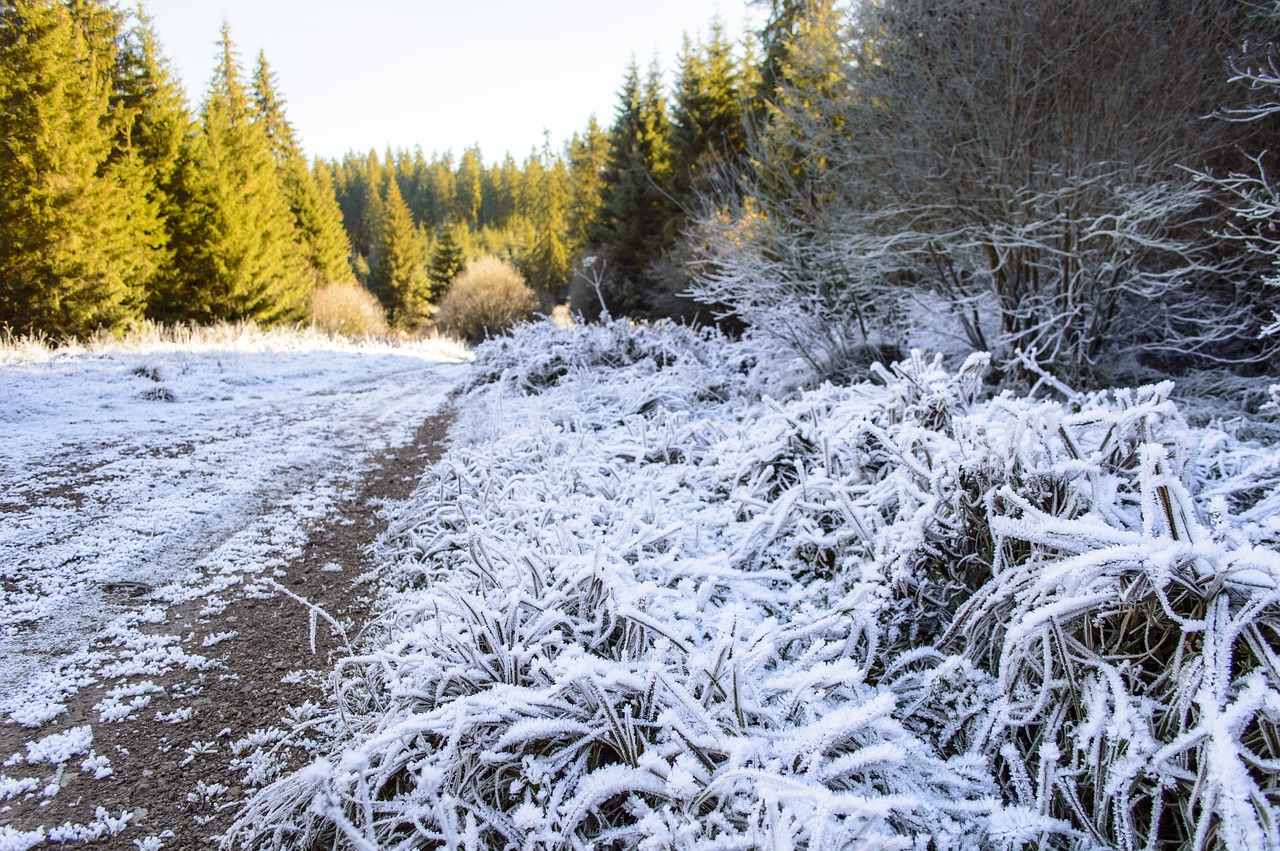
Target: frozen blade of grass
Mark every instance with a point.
(605, 783)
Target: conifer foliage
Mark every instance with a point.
(116, 206)
(397, 263)
(633, 204)
(309, 194)
(78, 236)
(238, 256)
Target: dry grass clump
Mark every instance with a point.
(485, 300)
(349, 310)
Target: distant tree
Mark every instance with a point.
(238, 255)
(322, 228)
(545, 196)
(635, 212)
(708, 115)
(441, 186)
(505, 180)
(398, 272)
(469, 189)
(447, 261)
(588, 153)
(78, 234)
(314, 206)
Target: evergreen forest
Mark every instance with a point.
(1095, 186)
(121, 203)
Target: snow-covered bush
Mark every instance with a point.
(636, 606)
(1129, 630)
(557, 353)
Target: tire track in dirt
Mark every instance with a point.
(177, 776)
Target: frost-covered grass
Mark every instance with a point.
(640, 606)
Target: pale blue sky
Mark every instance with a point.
(437, 74)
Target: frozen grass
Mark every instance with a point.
(640, 606)
(239, 336)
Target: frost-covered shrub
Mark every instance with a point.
(545, 353)
(1053, 596)
(628, 611)
(577, 651)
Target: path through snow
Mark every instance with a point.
(138, 484)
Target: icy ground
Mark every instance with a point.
(133, 479)
(654, 598)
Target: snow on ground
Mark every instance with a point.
(135, 476)
(641, 605)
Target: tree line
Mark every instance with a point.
(616, 198)
(120, 202)
(1067, 185)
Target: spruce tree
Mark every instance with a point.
(313, 204)
(635, 210)
(587, 156)
(442, 188)
(508, 179)
(808, 77)
(154, 126)
(447, 261)
(77, 238)
(358, 180)
(396, 263)
(785, 17)
(237, 252)
(708, 121)
(153, 107)
(469, 189)
(331, 256)
(545, 260)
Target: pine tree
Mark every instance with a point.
(77, 239)
(314, 206)
(237, 250)
(635, 211)
(447, 261)
(396, 263)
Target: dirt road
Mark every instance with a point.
(152, 637)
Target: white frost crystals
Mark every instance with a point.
(130, 518)
(638, 606)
